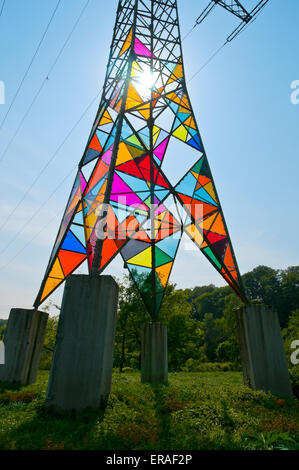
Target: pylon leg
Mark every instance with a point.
(262, 352)
(24, 340)
(154, 354)
(81, 371)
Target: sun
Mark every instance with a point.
(144, 80)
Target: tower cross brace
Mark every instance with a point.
(122, 202)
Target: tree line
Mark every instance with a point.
(201, 321)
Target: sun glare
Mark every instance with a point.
(144, 80)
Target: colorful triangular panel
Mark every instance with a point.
(122, 202)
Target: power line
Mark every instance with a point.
(49, 161)
(188, 34)
(68, 37)
(22, 121)
(44, 82)
(66, 138)
(29, 242)
(207, 62)
(230, 38)
(2, 7)
(30, 64)
(228, 41)
(37, 211)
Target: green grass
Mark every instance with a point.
(210, 410)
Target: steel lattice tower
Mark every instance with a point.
(122, 201)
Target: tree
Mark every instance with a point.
(49, 343)
(3, 325)
(184, 334)
(131, 315)
(262, 283)
(211, 301)
(213, 333)
(277, 288)
(193, 294)
(289, 297)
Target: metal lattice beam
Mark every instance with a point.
(122, 202)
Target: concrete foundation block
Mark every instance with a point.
(154, 353)
(262, 353)
(81, 371)
(24, 339)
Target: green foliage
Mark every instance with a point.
(3, 325)
(206, 411)
(211, 299)
(201, 321)
(193, 365)
(2, 331)
(279, 288)
(49, 343)
(184, 333)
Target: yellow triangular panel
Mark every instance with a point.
(136, 70)
(133, 98)
(127, 43)
(123, 154)
(144, 110)
(56, 271)
(181, 133)
(90, 222)
(106, 119)
(143, 259)
(50, 285)
(194, 234)
(210, 189)
(177, 73)
(190, 122)
(156, 132)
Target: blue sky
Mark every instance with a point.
(243, 108)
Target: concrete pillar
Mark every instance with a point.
(81, 371)
(154, 353)
(24, 339)
(262, 352)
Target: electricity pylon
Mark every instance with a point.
(122, 202)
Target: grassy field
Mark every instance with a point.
(195, 411)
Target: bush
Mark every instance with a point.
(49, 344)
(193, 365)
(128, 369)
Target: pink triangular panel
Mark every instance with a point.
(107, 155)
(140, 49)
(83, 182)
(122, 193)
(160, 150)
